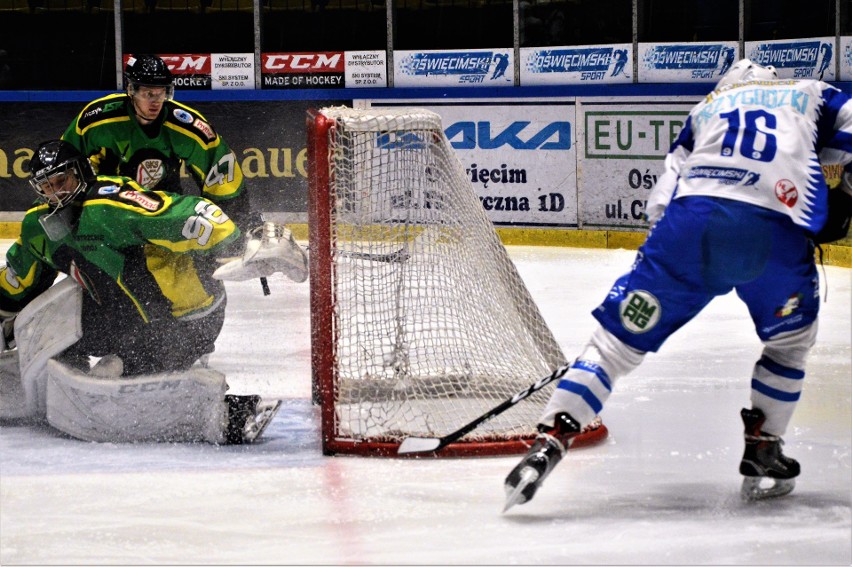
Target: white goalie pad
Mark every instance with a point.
(173, 406)
(44, 328)
(12, 403)
(270, 248)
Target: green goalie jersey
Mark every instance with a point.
(143, 254)
(107, 132)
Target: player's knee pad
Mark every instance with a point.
(170, 406)
(778, 376)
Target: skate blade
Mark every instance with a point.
(261, 421)
(752, 490)
(515, 495)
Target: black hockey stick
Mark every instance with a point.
(432, 444)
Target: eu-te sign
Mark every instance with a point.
(520, 135)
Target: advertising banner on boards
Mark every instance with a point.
(590, 64)
(811, 58)
(685, 62)
(519, 156)
(622, 145)
(191, 71)
(324, 70)
(471, 67)
(845, 58)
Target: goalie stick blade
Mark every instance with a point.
(412, 445)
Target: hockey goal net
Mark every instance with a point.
(420, 322)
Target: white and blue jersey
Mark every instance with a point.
(759, 142)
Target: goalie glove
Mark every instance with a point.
(270, 248)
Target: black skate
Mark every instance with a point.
(248, 417)
(763, 459)
(548, 449)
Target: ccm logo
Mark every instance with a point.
(302, 62)
(184, 64)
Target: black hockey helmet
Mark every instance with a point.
(59, 172)
(148, 70)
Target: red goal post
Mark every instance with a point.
(420, 322)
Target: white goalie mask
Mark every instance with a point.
(746, 70)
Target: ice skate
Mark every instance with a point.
(257, 424)
(763, 462)
(248, 417)
(548, 449)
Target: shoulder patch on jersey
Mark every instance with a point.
(148, 201)
(106, 108)
(108, 190)
(205, 129)
(188, 119)
(183, 115)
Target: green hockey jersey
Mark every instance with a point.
(144, 254)
(108, 133)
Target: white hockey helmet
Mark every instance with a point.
(746, 70)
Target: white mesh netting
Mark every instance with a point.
(433, 325)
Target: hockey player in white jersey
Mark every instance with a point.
(739, 207)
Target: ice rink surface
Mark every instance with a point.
(662, 490)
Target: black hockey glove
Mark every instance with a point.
(839, 212)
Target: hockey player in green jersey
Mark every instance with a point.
(143, 294)
(145, 135)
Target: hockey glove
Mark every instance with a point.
(270, 248)
(836, 226)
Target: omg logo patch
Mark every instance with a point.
(639, 311)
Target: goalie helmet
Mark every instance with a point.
(59, 172)
(148, 71)
(746, 70)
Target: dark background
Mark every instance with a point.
(70, 44)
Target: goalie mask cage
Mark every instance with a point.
(420, 322)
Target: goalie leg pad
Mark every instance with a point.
(12, 401)
(44, 328)
(171, 406)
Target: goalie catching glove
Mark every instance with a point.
(270, 248)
